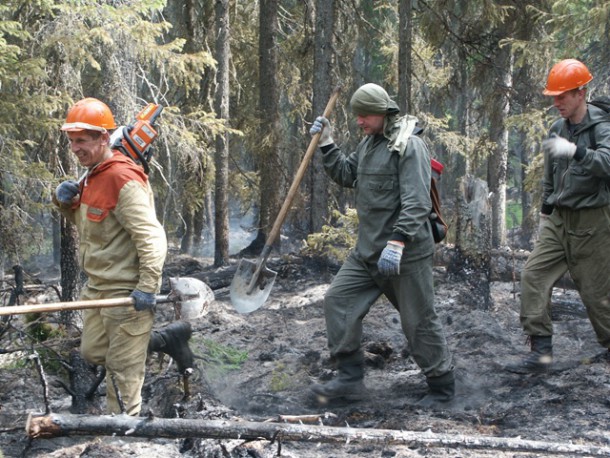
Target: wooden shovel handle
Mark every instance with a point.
(76, 305)
(313, 144)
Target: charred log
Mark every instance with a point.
(84, 382)
(63, 425)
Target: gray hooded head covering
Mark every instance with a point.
(372, 99)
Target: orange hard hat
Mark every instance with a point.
(89, 114)
(566, 75)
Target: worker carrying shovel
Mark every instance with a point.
(122, 251)
(391, 173)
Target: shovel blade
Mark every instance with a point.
(194, 297)
(245, 296)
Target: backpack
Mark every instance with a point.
(438, 224)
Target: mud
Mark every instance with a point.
(259, 366)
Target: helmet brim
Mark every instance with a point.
(552, 93)
(80, 126)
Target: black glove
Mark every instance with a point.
(143, 301)
(66, 191)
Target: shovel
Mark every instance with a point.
(190, 297)
(253, 281)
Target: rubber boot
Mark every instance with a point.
(538, 360)
(348, 384)
(173, 341)
(441, 390)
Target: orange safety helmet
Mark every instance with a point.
(566, 75)
(89, 114)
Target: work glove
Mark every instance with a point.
(322, 124)
(389, 261)
(143, 301)
(559, 147)
(66, 191)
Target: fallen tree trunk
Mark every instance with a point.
(64, 425)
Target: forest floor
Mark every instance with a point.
(259, 366)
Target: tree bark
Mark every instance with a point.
(405, 36)
(268, 165)
(69, 247)
(62, 425)
(498, 134)
(221, 197)
(322, 87)
(472, 258)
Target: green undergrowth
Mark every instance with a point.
(221, 359)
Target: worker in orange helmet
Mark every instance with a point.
(122, 251)
(574, 234)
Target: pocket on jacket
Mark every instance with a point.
(380, 192)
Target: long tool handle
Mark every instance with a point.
(281, 216)
(313, 144)
(76, 305)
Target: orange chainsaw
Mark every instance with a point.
(135, 141)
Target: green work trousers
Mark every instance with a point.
(117, 338)
(355, 289)
(577, 241)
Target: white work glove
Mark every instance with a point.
(559, 147)
(66, 191)
(389, 261)
(322, 124)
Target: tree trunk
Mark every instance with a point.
(528, 223)
(405, 36)
(221, 105)
(63, 425)
(472, 259)
(318, 191)
(268, 165)
(69, 245)
(498, 134)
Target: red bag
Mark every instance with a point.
(439, 227)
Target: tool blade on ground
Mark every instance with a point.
(248, 290)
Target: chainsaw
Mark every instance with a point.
(135, 140)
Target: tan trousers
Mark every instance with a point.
(117, 338)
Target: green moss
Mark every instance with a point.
(220, 359)
(280, 379)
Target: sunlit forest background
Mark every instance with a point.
(241, 82)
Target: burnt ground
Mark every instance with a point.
(258, 366)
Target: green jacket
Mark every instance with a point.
(122, 244)
(392, 194)
(584, 180)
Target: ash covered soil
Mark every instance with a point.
(258, 367)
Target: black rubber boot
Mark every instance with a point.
(538, 360)
(441, 390)
(173, 341)
(348, 384)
